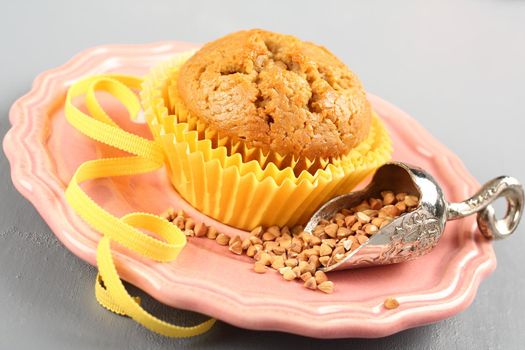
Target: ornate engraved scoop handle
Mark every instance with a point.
(491, 227)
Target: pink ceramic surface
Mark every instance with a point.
(44, 151)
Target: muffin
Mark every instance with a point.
(276, 92)
(246, 183)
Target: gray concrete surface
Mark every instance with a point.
(457, 66)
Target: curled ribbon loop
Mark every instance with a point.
(146, 156)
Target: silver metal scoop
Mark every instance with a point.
(415, 233)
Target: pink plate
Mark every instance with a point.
(44, 151)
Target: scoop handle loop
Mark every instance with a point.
(481, 203)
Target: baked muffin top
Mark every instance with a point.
(277, 93)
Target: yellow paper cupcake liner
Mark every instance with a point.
(248, 200)
(214, 177)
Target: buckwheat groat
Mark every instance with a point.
(277, 93)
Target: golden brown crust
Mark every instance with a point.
(276, 92)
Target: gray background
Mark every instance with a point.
(457, 66)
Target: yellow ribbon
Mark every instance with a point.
(145, 156)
